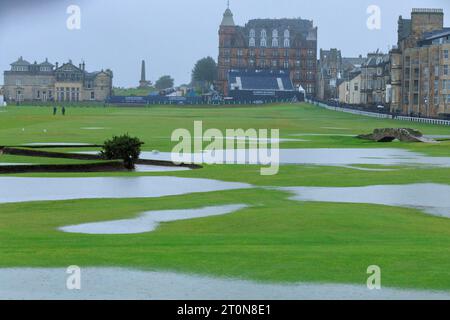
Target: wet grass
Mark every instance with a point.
(275, 239)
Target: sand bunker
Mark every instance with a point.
(115, 283)
(149, 221)
(431, 198)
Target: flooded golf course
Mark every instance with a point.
(18, 189)
(128, 284)
(149, 221)
(319, 156)
(102, 283)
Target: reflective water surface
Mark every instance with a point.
(149, 221)
(116, 283)
(18, 189)
(431, 198)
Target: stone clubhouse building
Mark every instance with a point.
(44, 82)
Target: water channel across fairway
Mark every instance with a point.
(311, 156)
(115, 283)
(18, 189)
(320, 156)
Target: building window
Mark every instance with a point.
(92, 95)
(263, 33)
(252, 42)
(287, 43)
(252, 33)
(287, 34)
(446, 70)
(18, 82)
(436, 100)
(446, 54)
(286, 64)
(263, 42)
(275, 33)
(275, 42)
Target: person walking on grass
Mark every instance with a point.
(63, 111)
(55, 109)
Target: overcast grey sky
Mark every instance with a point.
(172, 34)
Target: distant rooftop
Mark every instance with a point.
(427, 10)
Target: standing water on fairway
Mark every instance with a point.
(431, 198)
(324, 157)
(149, 221)
(41, 189)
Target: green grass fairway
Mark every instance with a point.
(274, 239)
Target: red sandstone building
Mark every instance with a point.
(288, 45)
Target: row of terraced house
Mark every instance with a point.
(412, 79)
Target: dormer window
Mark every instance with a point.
(263, 34)
(252, 42)
(275, 42)
(263, 42)
(275, 33)
(287, 34)
(252, 33)
(287, 43)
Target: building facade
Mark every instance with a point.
(332, 70)
(47, 82)
(350, 88)
(288, 45)
(328, 74)
(375, 80)
(421, 65)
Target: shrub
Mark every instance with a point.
(122, 147)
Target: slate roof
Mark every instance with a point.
(436, 34)
(20, 62)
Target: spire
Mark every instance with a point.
(143, 71)
(143, 83)
(228, 20)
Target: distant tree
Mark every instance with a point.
(122, 147)
(164, 82)
(205, 72)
